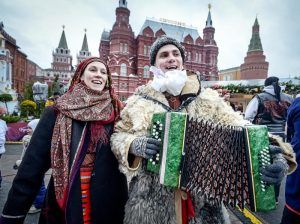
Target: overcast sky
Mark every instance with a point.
(37, 26)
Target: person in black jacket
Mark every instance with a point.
(72, 138)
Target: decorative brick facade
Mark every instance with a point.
(127, 55)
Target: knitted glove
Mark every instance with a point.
(145, 147)
(274, 173)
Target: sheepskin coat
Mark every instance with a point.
(150, 202)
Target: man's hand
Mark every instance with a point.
(145, 147)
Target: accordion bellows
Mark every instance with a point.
(220, 162)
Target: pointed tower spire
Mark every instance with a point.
(123, 3)
(255, 65)
(255, 43)
(84, 52)
(85, 46)
(209, 21)
(209, 30)
(63, 41)
(62, 58)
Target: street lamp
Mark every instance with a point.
(40, 94)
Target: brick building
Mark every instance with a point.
(18, 61)
(61, 65)
(255, 65)
(19, 69)
(128, 55)
(230, 74)
(5, 67)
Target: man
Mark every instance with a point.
(270, 107)
(291, 213)
(172, 89)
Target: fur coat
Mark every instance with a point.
(150, 202)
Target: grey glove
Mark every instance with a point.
(274, 173)
(145, 147)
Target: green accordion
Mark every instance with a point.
(217, 161)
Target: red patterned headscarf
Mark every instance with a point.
(118, 105)
(84, 104)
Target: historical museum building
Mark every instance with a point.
(128, 55)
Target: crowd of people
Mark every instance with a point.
(98, 148)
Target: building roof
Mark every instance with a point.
(255, 42)
(105, 35)
(63, 41)
(85, 46)
(208, 21)
(173, 29)
(7, 36)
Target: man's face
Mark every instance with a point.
(168, 58)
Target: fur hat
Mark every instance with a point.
(162, 41)
(270, 80)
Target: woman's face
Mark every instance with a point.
(95, 76)
(168, 58)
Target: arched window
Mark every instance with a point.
(123, 69)
(146, 71)
(189, 56)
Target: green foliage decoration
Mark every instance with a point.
(10, 118)
(290, 88)
(5, 98)
(28, 108)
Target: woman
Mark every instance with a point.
(172, 89)
(72, 138)
(3, 130)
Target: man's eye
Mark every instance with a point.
(164, 55)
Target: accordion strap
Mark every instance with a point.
(184, 104)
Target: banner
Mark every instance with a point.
(16, 131)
